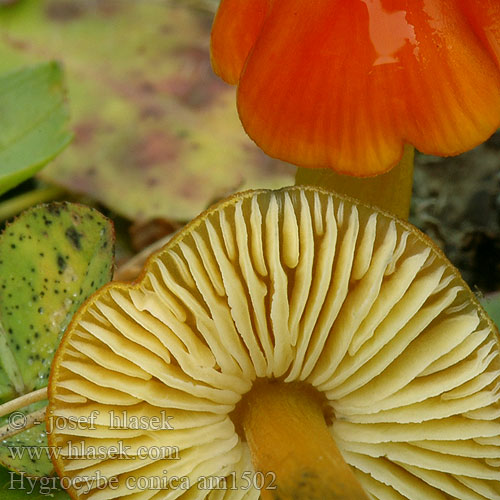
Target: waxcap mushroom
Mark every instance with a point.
(344, 84)
(298, 286)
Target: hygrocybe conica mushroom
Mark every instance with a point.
(294, 339)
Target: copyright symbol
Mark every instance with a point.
(17, 420)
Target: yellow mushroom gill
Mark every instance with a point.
(296, 285)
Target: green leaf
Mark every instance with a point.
(14, 486)
(51, 259)
(153, 125)
(27, 452)
(32, 121)
(491, 305)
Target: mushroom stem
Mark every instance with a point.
(390, 191)
(290, 444)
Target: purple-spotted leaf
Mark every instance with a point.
(52, 257)
(19, 487)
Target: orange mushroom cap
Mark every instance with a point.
(346, 83)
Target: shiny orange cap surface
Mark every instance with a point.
(345, 84)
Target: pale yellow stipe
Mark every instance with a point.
(390, 191)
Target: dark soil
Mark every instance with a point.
(456, 201)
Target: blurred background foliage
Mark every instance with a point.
(156, 133)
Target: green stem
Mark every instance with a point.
(23, 401)
(14, 206)
(390, 191)
(29, 421)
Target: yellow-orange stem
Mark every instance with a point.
(390, 191)
(288, 437)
